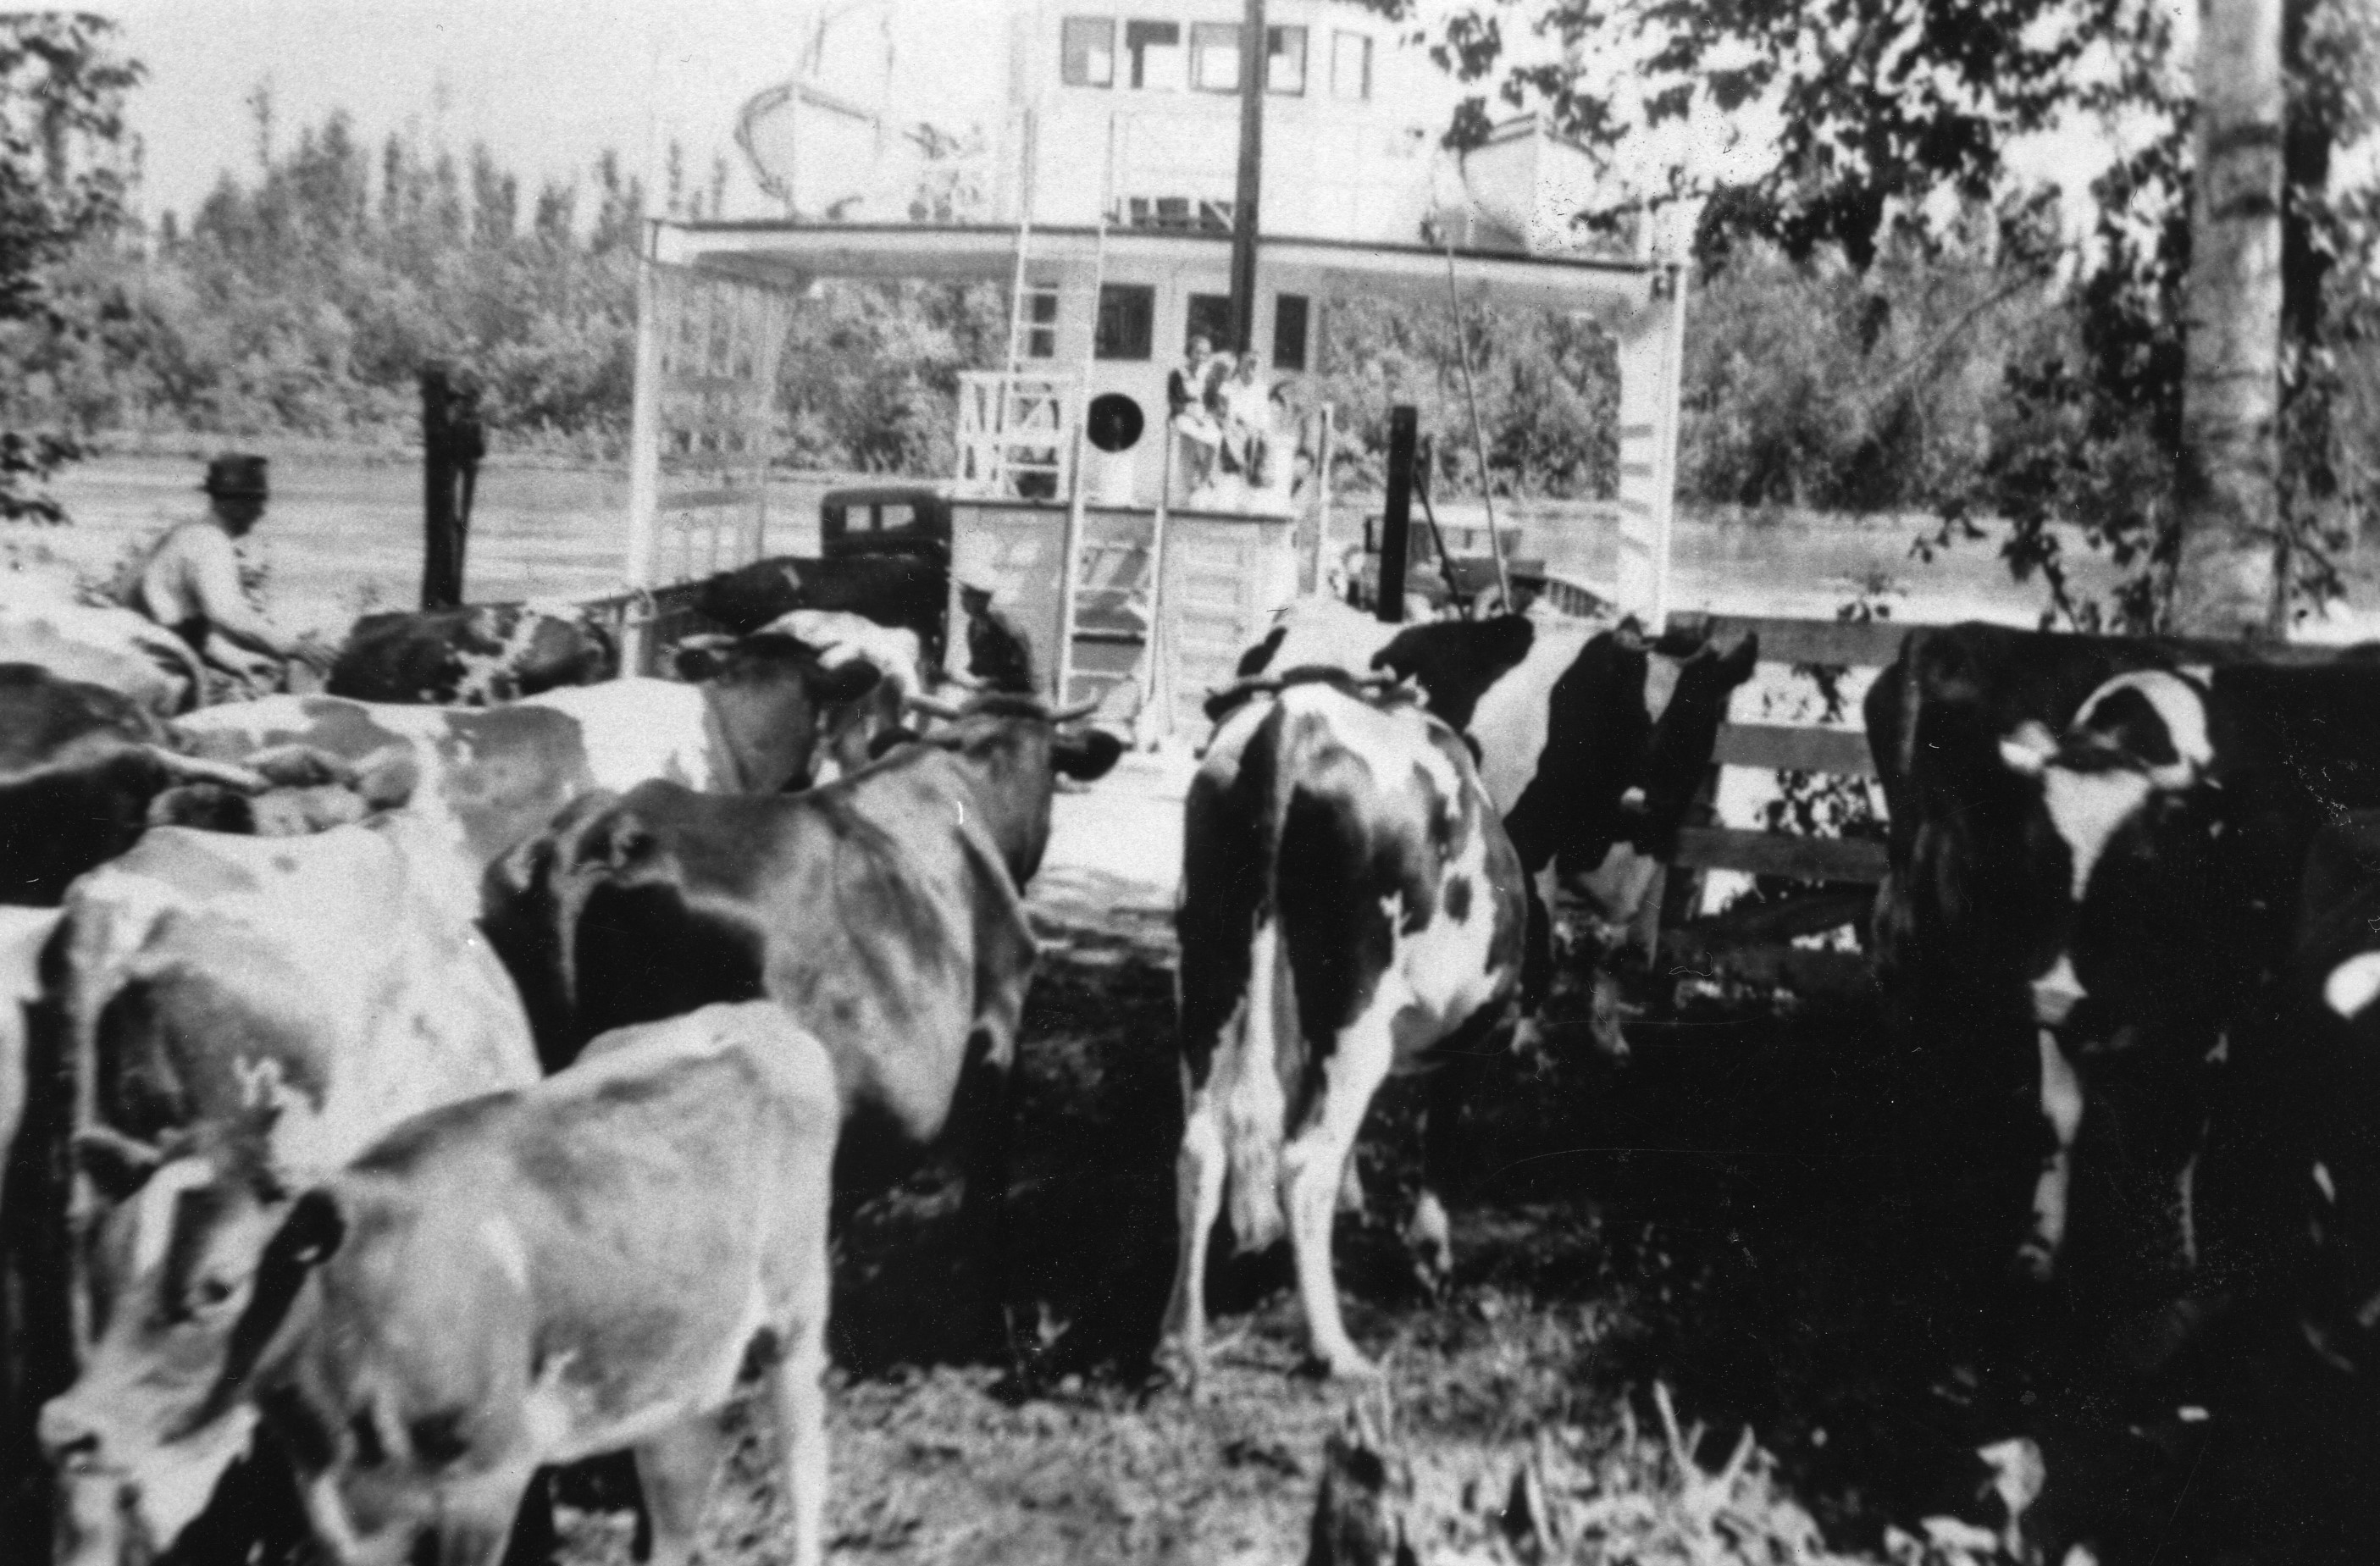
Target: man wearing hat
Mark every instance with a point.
(191, 583)
(1000, 655)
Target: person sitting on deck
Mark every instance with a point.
(1000, 655)
(1190, 396)
(191, 584)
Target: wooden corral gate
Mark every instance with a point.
(1756, 943)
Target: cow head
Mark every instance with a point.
(138, 1442)
(2121, 857)
(765, 693)
(1679, 753)
(1015, 747)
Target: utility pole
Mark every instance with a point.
(1253, 50)
(2231, 578)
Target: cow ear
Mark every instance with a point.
(1738, 664)
(842, 682)
(2027, 751)
(117, 1164)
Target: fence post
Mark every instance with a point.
(1396, 513)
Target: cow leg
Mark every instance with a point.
(1431, 1233)
(1313, 1161)
(2061, 1108)
(984, 1208)
(676, 1471)
(475, 1524)
(1536, 965)
(801, 1424)
(1198, 1175)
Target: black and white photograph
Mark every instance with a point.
(1218, 782)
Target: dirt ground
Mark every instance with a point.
(1784, 1218)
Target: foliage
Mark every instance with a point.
(62, 182)
(1896, 129)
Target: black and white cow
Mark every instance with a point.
(1557, 715)
(1350, 907)
(2177, 816)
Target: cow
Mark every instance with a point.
(233, 1017)
(1954, 900)
(480, 782)
(532, 1277)
(473, 656)
(892, 589)
(849, 731)
(1350, 905)
(79, 767)
(2176, 817)
(884, 911)
(1555, 714)
(110, 647)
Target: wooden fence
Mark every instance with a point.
(1757, 943)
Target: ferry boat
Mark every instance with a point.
(1106, 209)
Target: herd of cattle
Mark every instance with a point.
(404, 1100)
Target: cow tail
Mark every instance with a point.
(1256, 1106)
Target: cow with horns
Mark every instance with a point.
(1351, 906)
(884, 911)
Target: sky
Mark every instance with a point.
(547, 84)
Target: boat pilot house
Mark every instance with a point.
(1145, 480)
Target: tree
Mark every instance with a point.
(62, 183)
(2229, 580)
(1891, 116)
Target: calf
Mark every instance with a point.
(590, 1265)
(1350, 905)
(474, 656)
(232, 1016)
(883, 911)
(890, 589)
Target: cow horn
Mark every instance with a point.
(1078, 710)
(193, 769)
(931, 708)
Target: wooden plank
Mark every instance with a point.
(1797, 968)
(1871, 646)
(1798, 748)
(1765, 854)
(1812, 913)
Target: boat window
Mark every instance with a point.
(1127, 324)
(1285, 64)
(1215, 56)
(1087, 51)
(897, 515)
(1042, 323)
(1209, 316)
(831, 519)
(1156, 52)
(1289, 313)
(1351, 65)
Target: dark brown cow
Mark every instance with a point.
(588, 1265)
(882, 910)
(474, 656)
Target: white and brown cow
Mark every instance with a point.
(1351, 906)
(590, 1265)
(478, 781)
(849, 731)
(234, 1016)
